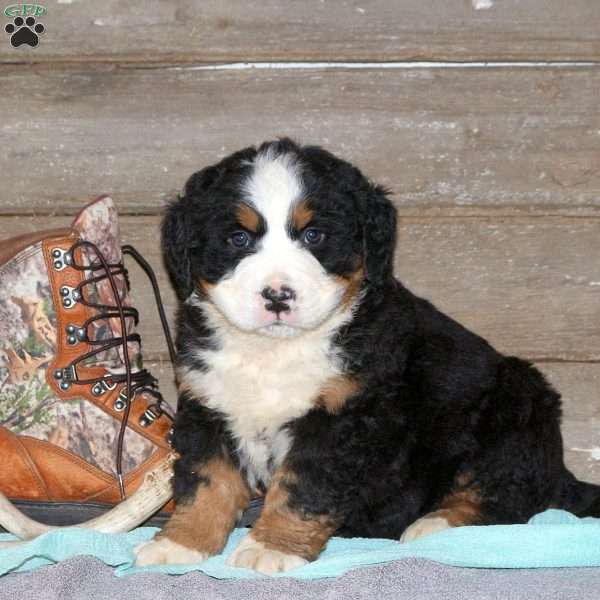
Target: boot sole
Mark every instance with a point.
(73, 513)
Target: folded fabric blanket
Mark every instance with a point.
(87, 578)
(552, 539)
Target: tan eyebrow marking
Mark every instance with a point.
(248, 218)
(302, 215)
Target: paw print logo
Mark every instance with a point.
(24, 31)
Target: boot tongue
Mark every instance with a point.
(98, 223)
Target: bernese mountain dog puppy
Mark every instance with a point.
(309, 374)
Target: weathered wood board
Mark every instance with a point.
(496, 171)
(579, 385)
(308, 30)
(529, 285)
(470, 140)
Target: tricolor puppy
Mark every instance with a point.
(307, 372)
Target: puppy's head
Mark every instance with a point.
(279, 238)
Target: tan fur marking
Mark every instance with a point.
(205, 523)
(461, 507)
(353, 285)
(335, 392)
(204, 286)
(247, 217)
(281, 528)
(302, 215)
(464, 479)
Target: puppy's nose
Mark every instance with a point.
(282, 294)
(278, 298)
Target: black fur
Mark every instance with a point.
(438, 404)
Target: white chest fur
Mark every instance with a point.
(261, 383)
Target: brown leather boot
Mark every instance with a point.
(71, 442)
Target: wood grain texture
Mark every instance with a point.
(309, 30)
(579, 386)
(470, 140)
(530, 286)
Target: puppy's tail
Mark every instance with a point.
(578, 497)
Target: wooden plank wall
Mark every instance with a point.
(481, 115)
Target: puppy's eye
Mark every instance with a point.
(312, 236)
(240, 239)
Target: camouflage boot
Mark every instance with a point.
(71, 442)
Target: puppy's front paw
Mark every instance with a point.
(164, 551)
(424, 526)
(251, 554)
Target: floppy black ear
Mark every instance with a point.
(379, 235)
(179, 239)
(176, 248)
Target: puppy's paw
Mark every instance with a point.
(424, 526)
(251, 554)
(164, 551)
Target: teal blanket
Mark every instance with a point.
(552, 539)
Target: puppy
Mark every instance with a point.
(308, 373)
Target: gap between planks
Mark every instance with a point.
(409, 214)
(163, 358)
(175, 63)
(244, 66)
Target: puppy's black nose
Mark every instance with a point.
(283, 294)
(278, 298)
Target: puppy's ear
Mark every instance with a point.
(176, 247)
(179, 240)
(379, 235)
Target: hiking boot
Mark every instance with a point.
(81, 421)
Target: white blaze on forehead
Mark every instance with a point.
(273, 188)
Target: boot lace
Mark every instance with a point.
(135, 380)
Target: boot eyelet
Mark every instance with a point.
(119, 404)
(147, 418)
(102, 386)
(69, 296)
(66, 376)
(75, 334)
(62, 258)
